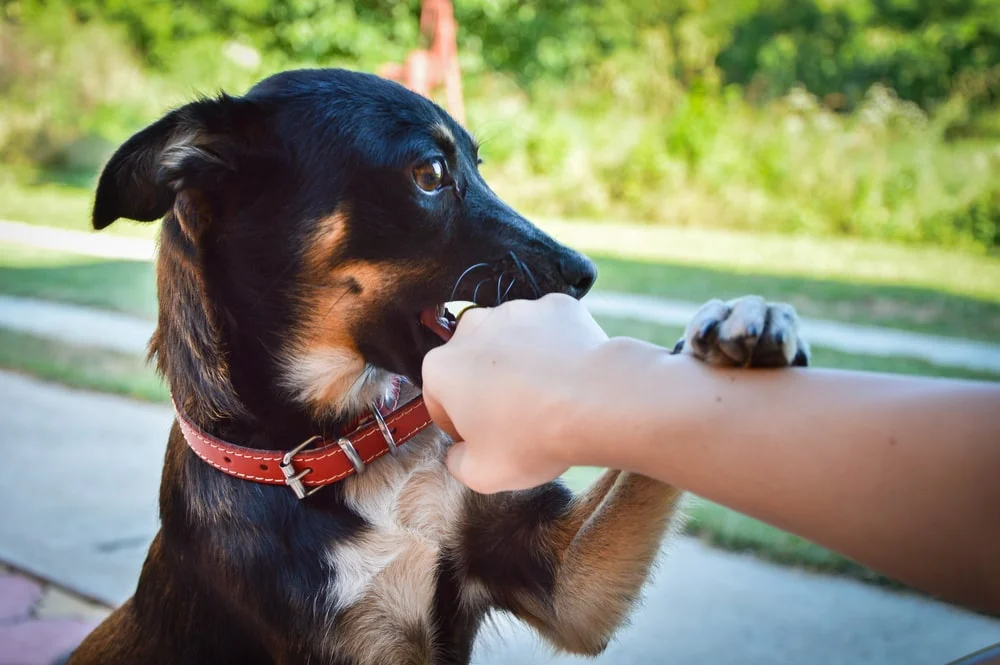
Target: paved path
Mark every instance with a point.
(75, 324)
(85, 523)
(845, 337)
(849, 338)
(39, 622)
(121, 332)
(98, 245)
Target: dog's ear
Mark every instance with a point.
(197, 147)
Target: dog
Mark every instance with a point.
(311, 232)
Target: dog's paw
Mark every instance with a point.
(745, 332)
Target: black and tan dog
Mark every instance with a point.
(312, 231)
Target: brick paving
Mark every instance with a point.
(40, 622)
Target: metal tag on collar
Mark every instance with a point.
(352, 454)
(384, 428)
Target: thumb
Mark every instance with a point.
(440, 416)
(434, 372)
(458, 461)
(464, 466)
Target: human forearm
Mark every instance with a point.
(849, 460)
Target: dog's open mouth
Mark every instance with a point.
(439, 321)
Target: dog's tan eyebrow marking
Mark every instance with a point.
(446, 138)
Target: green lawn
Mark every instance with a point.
(860, 262)
(58, 205)
(125, 286)
(907, 287)
(81, 367)
(667, 336)
(129, 286)
(910, 287)
(916, 308)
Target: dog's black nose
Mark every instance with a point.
(579, 273)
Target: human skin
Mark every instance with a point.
(899, 473)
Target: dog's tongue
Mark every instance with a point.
(440, 326)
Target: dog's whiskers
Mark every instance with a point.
(461, 277)
(499, 286)
(526, 273)
(513, 281)
(475, 293)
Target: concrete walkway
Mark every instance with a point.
(848, 338)
(97, 245)
(845, 337)
(75, 324)
(129, 334)
(79, 486)
(40, 622)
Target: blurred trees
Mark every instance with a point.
(873, 118)
(925, 50)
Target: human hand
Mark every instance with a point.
(506, 386)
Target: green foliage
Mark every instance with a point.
(925, 50)
(843, 117)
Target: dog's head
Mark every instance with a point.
(321, 222)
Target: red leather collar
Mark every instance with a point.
(316, 462)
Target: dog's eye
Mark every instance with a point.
(430, 175)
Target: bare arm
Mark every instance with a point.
(900, 473)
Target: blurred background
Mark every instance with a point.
(842, 155)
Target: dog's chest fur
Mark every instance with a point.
(384, 580)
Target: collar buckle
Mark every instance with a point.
(293, 478)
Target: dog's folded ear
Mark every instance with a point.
(197, 146)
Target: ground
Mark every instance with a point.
(847, 283)
(90, 528)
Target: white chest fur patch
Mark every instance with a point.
(412, 505)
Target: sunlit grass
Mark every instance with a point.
(58, 205)
(81, 367)
(124, 286)
(129, 286)
(860, 262)
(667, 336)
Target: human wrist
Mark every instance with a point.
(607, 401)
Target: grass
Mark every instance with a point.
(124, 286)
(81, 367)
(667, 336)
(907, 287)
(852, 261)
(859, 263)
(128, 286)
(58, 205)
(915, 288)
(919, 309)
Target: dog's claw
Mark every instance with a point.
(745, 332)
(708, 330)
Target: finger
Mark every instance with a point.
(439, 415)
(457, 461)
(463, 467)
(435, 373)
(469, 319)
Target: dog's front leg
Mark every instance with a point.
(603, 564)
(576, 572)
